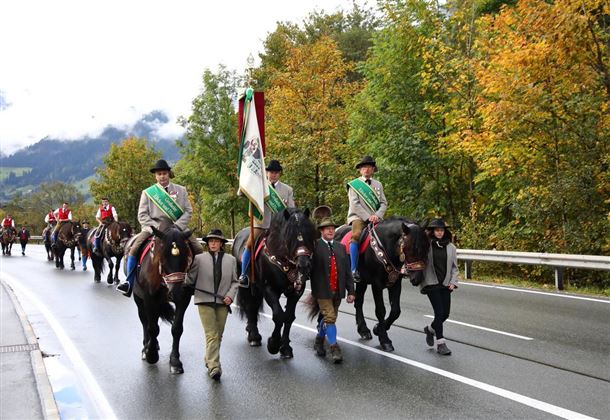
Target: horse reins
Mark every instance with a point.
(178, 276)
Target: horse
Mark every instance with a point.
(7, 239)
(112, 246)
(281, 267)
(398, 248)
(161, 280)
(67, 238)
(46, 238)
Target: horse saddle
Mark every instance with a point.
(365, 239)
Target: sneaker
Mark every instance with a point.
(429, 337)
(244, 281)
(335, 354)
(318, 346)
(356, 276)
(443, 349)
(125, 289)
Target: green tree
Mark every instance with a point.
(125, 174)
(210, 151)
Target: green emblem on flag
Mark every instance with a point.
(366, 193)
(164, 202)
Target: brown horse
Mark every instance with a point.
(7, 239)
(161, 280)
(67, 238)
(113, 244)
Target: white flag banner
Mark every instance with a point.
(252, 177)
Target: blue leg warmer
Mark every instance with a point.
(353, 255)
(245, 261)
(132, 263)
(331, 334)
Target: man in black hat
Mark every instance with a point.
(163, 202)
(330, 278)
(367, 204)
(213, 274)
(281, 196)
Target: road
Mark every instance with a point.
(538, 356)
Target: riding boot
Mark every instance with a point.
(244, 281)
(127, 286)
(353, 254)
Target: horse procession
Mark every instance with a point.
(274, 259)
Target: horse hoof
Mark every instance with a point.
(273, 347)
(143, 355)
(176, 370)
(72, 268)
(387, 347)
(376, 329)
(109, 281)
(286, 353)
(152, 358)
(366, 335)
(255, 343)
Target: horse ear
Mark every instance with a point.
(286, 214)
(306, 212)
(406, 229)
(186, 234)
(158, 233)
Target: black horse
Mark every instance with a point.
(46, 238)
(401, 250)
(282, 267)
(112, 246)
(67, 238)
(161, 280)
(7, 237)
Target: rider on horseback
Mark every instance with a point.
(367, 203)
(8, 223)
(50, 219)
(162, 202)
(281, 196)
(62, 214)
(105, 214)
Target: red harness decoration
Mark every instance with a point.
(146, 250)
(364, 242)
(260, 247)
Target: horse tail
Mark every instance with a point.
(250, 301)
(314, 308)
(167, 312)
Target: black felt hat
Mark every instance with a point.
(161, 165)
(274, 166)
(439, 222)
(367, 160)
(215, 234)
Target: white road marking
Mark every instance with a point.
(91, 386)
(513, 289)
(521, 399)
(522, 337)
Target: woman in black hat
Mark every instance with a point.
(214, 277)
(440, 279)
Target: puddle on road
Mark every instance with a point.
(70, 399)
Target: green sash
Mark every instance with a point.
(275, 202)
(164, 202)
(366, 193)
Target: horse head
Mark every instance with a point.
(413, 249)
(173, 256)
(118, 234)
(291, 236)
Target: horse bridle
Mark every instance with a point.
(178, 276)
(116, 246)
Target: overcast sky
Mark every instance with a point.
(72, 67)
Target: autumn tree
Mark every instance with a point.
(126, 172)
(307, 123)
(210, 149)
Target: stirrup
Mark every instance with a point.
(244, 281)
(124, 288)
(356, 276)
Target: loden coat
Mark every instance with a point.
(359, 210)
(201, 275)
(151, 215)
(320, 275)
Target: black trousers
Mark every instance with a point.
(441, 303)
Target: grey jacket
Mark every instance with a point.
(452, 269)
(359, 210)
(150, 215)
(286, 194)
(201, 275)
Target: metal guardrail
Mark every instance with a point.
(559, 262)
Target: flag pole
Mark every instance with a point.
(252, 246)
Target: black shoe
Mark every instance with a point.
(429, 337)
(335, 353)
(318, 346)
(22, 253)
(443, 349)
(356, 276)
(215, 374)
(125, 289)
(244, 281)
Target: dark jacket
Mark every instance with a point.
(320, 276)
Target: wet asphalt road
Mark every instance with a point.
(565, 365)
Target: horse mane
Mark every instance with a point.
(284, 229)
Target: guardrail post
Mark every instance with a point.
(468, 270)
(559, 271)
